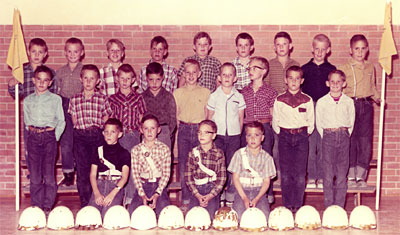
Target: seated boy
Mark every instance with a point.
(335, 121)
(44, 120)
(158, 53)
(205, 172)
(151, 168)
(244, 48)
(252, 170)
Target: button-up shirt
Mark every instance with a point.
(243, 77)
(68, 82)
(277, 73)
(170, 81)
(191, 103)
(108, 80)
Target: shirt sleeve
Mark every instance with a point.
(310, 116)
(182, 68)
(235, 166)
(212, 102)
(221, 174)
(60, 118)
(352, 117)
(242, 103)
(275, 117)
(135, 170)
(172, 113)
(142, 77)
(270, 168)
(376, 94)
(166, 170)
(107, 108)
(189, 171)
(318, 117)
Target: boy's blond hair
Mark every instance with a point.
(337, 72)
(193, 62)
(322, 38)
(227, 64)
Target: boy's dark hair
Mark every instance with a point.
(244, 35)
(358, 37)
(126, 68)
(91, 67)
(209, 123)
(193, 62)
(264, 63)
(227, 64)
(38, 42)
(159, 39)
(44, 69)
(149, 117)
(74, 41)
(283, 34)
(202, 35)
(338, 72)
(294, 68)
(154, 68)
(255, 124)
(115, 122)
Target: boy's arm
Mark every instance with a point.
(319, 118)
(275, 117)
(352, 116)
(239, 189)
(209, 114)
(99, 198)
(241, 119)
(209, 109)
(110, 197)
(172, 118)
(135, 171)
(310, 116)
(181, 78)
(71, 110)
(61, 119)
(221, 174)
(166, 170)
(107, 110)
(189, 170)
(263, 190)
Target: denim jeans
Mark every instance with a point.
(187, 140)
(213, 204)
(314, 165)
(293, 152)
(67, 140)
(42, 148)
(86, 143)
(251, 193)
(335, 162)
(149, 190)
(105, 187)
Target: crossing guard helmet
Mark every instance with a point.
(88, 218)
(197, 219)
(143, 218)
(60, 218)
(335, 217)
(32, 218)
(362, 217)
(307, 217)
(281, 219)
(116, 217)
(225, 219)
(171, 217)
(253, 220)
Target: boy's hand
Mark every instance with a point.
(247, 202)
(205, 200)
(99, 199)
(144, 199)
(254, 202)
(12, 82)
(109, 198)
(153, 200)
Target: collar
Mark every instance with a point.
(162, 63)
(353, 63)
(236, 61)
(213, 149)
(293, 100)
(196, 57)
(47, 93)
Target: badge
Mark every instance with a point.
(147, 154)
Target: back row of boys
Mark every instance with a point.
(293, 119)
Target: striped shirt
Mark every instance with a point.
(108, 80)
(170, 82)
(243, 77)
(277, 74)
(68, 82)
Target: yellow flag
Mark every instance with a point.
(17, 51)
(388, 48)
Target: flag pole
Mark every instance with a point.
(17, 177)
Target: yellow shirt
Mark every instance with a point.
(191, 103)
(360, 81)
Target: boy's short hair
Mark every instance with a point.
(91, 67)
(209, 123)
(115, 122)
(254, 124)
(294, 68)
(116, 41)
(264, 63)
(322, 38)
(283, 34)
(358, 37)
(74, 41)
(44, 69)
(159, 39)
(154, 68)
(193, 62)
(126, 68)
(337, 72)
(202, 35)
(149, 117)
(37, 42)
(227, 64)
(244, 35)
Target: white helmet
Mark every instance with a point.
(60, 218)
(197, 219)
(335, 217)
(253, 220)
(281, 219)
(88, 218)
(362, 217)
(171, 217)
(32, 218)
(143, 218)
(225, 218)
(116, 217)
(307, 217)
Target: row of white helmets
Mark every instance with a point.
(171, 217)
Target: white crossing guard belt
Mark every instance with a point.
(212, 175)
(154, 172)
(111, 167)
(255, 177)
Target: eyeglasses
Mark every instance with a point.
(254, 67)
(205, 132)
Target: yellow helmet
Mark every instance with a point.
(225, 219)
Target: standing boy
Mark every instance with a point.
(335, 121)
(315, 77)
(293, 121)
(244, 48)
(44, 120)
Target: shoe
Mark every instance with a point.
(361, 183)
(222, 203)
(229, 204)
(311, 184)
(351, 183)
(271, 199)
(320, 183)
(68, 179)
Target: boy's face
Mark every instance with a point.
(336, 83)
(206, 134)
(320, 50)
(125, 80)
(359, 51)
(73, 52)
(227, 77)
(293, 81)
(282, 46)
(89, 80)
(191, 74)
(243, 47)
(42, 81)
(155, 81)
(158, 52)
(150, 130)
(256, 70)
(111, 134)
(115, 53)
(202, 47)
(254, 137)
(37, 54)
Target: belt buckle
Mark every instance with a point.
(152, 180)
(251, 181)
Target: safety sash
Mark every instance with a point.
(111, 167)
(154, 172)
(212, 176)
(255, 177)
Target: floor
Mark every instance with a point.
(388, 218)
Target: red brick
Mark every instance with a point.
(72, 27)
(112, 27)
(92, 27)
(151, 27)
(132, 27)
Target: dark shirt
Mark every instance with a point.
(315, 77)
(114, 154)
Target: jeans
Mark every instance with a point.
(105, 187)
(86, 143)
(251, 193)
(187, 140)
(67, 140)
(42, 148)
(149, 190)
(314, 169)
(213, 204)
(335, 162)
(293, 152)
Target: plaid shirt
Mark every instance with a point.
(258, 104)
(209, 68)
(277, 73)
(108, 77)
(89, 112)
(161, 155)
(243, 77)
(214, 160)
(170, 82)
(128, 109)
(68, 82)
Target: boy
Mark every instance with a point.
(89, 111)
(252, 169)
(226, 108)
(160, 102)
(360, 77)
(335, 121)
(191, 101)
(293, 121)
(209, 65)
(68, 84)
(44, 120)
(151, 168)
(244, 48)
(158, 53)
(205, 172)
(315, 76)
(108, 74)
(109, 169)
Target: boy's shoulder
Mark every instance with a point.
(287, 97)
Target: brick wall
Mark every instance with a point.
(137, 38)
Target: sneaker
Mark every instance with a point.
(311, 184)
(351, 183)
(271, 199)
(361, 183)
(320, 183)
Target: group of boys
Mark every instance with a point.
(230, 120)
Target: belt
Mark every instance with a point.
(336, 129)
(251, 181)
(153, 180)
(36, 129)
(264, 120)
(202, 181)
(188, 123)
(109, 177)
(89, 129)
(295, 130)
(363, 99)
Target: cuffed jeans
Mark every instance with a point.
(105, 187)
(67, 140)
(213, 204)
(149, 190)
(251, 193)
(314, 164)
